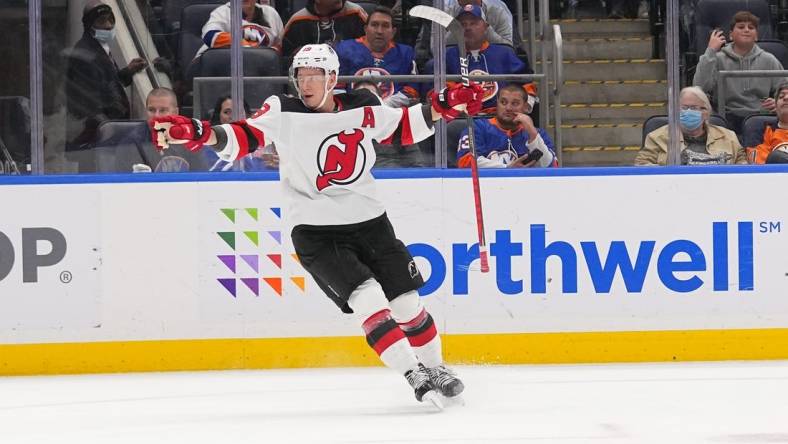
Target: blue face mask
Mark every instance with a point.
(104, 35)
(691, 119)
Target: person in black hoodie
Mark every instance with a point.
(94, 84)
(323, 21)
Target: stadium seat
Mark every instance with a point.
(659, 121)
(193, 18)
(122, 143)
(173, 9)
(207, 91)
(777, 48)
(15, 127)
(258, 62)
(754, 126)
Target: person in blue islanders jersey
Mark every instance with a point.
(485, 57)
(510, 139)
(376, 53)
(341, 232)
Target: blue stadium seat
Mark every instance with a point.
(659, 121)
(193, 18)
(754, 126)
(777, 48)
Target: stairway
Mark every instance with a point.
(611, 87)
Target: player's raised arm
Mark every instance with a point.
(230, 141)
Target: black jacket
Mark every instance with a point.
(94, 91)
(306, 27)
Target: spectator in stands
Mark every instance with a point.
(496, 13)
(376, 53)
(223, 111)
(747, 95)
(262, 27)
(701, 142)
(323, 21)
(260, 160)
(507, 140)
(485, 57)
(94, 84)
(774, 147)
(628, 9)
(161, 102)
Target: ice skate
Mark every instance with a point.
(445, 381)
(423, 387)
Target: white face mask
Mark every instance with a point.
(104, 35)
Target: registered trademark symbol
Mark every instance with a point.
(65, 277)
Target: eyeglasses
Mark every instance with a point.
(693, 108)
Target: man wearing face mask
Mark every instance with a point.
(701, 142)
(94, 84)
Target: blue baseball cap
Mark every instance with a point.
(473, 9)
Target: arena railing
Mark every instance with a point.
(722, 89)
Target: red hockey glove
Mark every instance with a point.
(179, 130)
(448, 99)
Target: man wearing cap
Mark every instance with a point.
(94, 84)
(507, 140)
(485, 57)
(496, 13)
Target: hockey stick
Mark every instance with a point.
(451, 24)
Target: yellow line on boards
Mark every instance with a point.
(518, 348)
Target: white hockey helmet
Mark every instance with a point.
(316, 56)
(320, 56)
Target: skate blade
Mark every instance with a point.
(434, 398)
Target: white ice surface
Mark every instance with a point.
(638, 403)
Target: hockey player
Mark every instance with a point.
(341, 232)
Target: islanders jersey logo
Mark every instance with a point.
(341, 159)
(386, 88)
(490, 88)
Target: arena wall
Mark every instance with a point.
(183, 272)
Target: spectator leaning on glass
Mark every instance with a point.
(701, 142)
(94, 84)
(774, 147)
(510, 139)
(746, 95)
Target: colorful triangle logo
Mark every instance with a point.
(252, 260)
(299, 281)
(229, 285)
(228, 237)
(277, 211)
(275, 283)
(253, 284)
(228, 260)
(254, 237)
(276, 259)
(230, 213)
(277, 235)
(252, 212)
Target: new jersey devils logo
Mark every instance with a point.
(340, 159)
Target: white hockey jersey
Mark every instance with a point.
(325, 158)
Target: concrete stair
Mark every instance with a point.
(611, 87)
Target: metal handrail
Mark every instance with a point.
(558, 82)
(402, 78)
(738, 74)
